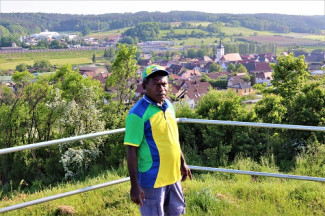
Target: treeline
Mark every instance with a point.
(28, 23)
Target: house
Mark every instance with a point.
(91, 71)
(195, 89)
(235, 80)
(262, 58)
(102, 79)
(175, 76)
(190, 73)
(231, 57)
(144, 62)
(315, 57)
(217, 75)
(175, 69)
(256, 67)
(241, 89)
(264, 77)
(207, 59)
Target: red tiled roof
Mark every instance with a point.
(262, 67)
(196, 89)
(216, 75)
(190, 73)
(232, 57)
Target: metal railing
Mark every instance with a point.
(180, 120)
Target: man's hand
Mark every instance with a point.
(185, 171)
(137, 195)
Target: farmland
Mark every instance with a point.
(283, 40)
(10, 61)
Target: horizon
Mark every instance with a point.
(303, 8)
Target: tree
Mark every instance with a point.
(85, 30)
(111, 52)
(42, 66)
(253, 79)
(43, 44)
(241, 68)
(94, 58)
(231, 67)
(191, 53)
(55, 44)
(215, 68)
(123, 74)
(289, 75)
(127, 40)
(21, 67)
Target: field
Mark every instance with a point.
(245, 31)
(207, 194)
(10, 61)
(107, 34)
(282, 40)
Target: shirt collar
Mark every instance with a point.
(146, 98)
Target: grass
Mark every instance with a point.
(101, 33)
(10, 61)
(245, 31)
(206, 194)
(316, 37)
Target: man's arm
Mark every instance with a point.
(185, 170)
(136, 192)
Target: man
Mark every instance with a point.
(155, 161)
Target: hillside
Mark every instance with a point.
(28, 23)
(206, 194)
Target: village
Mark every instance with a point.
(189, 77)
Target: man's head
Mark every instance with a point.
(155, 83)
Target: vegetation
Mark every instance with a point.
(207, 194)
(10, 61)
(66, 104)
(27, 23)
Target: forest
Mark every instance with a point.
(28, 23)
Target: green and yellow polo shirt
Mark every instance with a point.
(154, 130)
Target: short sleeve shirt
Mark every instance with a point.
(154, 130)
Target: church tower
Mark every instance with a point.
(220, 51)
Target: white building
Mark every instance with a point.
(46, 35)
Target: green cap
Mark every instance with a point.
(151, 69)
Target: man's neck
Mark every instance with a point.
(158, 103)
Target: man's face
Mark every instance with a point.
(157, 88)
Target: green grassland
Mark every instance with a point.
(10, 61)
(316, 37)
(245, 31)
(206, 194)
(200, 23)
(107, 33)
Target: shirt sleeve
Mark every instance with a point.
(134, 130)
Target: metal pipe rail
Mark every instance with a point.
(62, 195)
(59, 141)
(252, 124)
(180, 120)
(253, 173)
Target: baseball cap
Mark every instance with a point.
(151, 69)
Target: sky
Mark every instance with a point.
(291, 7)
